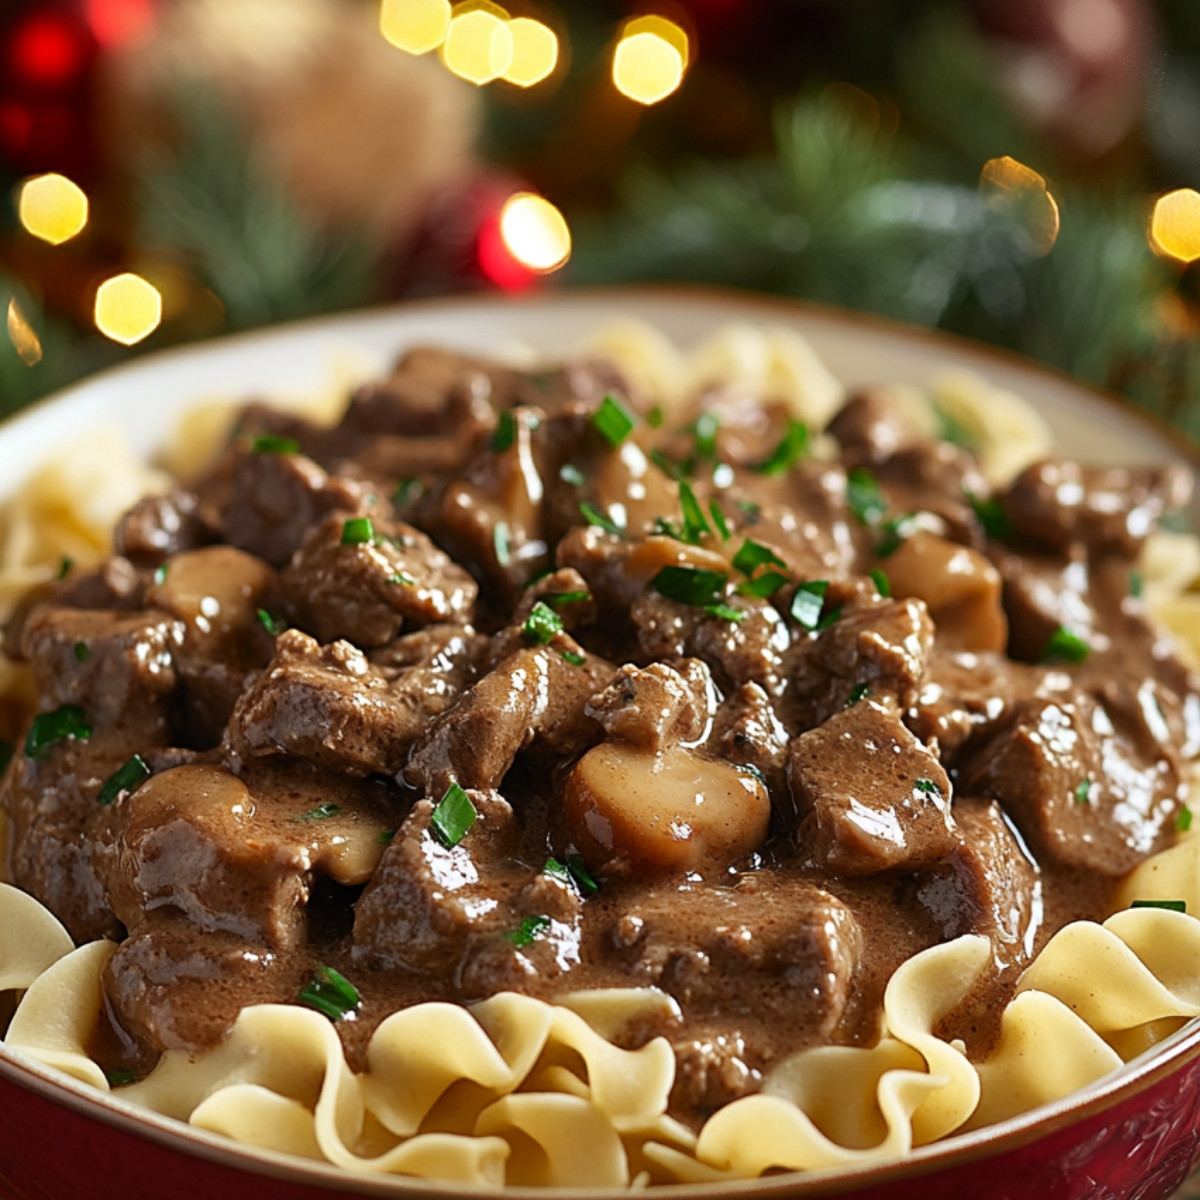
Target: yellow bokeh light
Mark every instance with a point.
(1175, 225)
(53, 208)
(650, 59)
(478, 45)
(25, 341)
(534, 54)
(128, 308)
(417, 26)
(1011, 185)
(535, 232)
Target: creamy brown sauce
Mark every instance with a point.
(755, 750)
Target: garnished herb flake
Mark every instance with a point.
(725, 612)
(951, 429)
(753, 555)
(928, 787)
(64, 567)
(81, 652)
(1064, 646)
(531, 929)
(321, 813)
(126, 778)
(160, 574)
(120, 1076)
(573, 871)
(695, 524)
(762, 586)
(576, 660)
(791, 448)
(704, 436)
(718, 520)
(1183, 822)
(273, 625)
(386, 836)
(1137, 583)
(570, 473)
(1083, 792)
(655, 417)
(894, 533)
(808, 602)
(671, 469)
(406, 491)
(500, 543)
(864, 497)
(330, 993)
(751, 511)
(561, 599)
(358, 531)
(271, 443)
(402, 578)
(453, 817)
(613, 421)
(690, 585)
(882, 584)
(1179, 906)
(542, 625)
(69, 721)
(593, 516)
(506, 431)
(830, 618)
(991, 516)
(859, 692)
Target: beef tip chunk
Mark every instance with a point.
(160, 526)
(1057, 503)
(277, 498)
(870, 646)
(565, 592)
(116, 583)
(658, 705)
(1043, 593)
(366, 582)
(533, 700)
(989, 885)
(1077, 787)
(869, 796)
(714, 1070)
(580, 384)
(748, 732)
(331, 707)
(871, 426)
(118, 667)
(938, 478)
(450, 654)
(215, 594)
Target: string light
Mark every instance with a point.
(128, 308)
(52, 208)
(478, 45)
(25, 341)
(535, 233)
(1011, 185)
(1175, 225)
(650, 59)
(417, 26)
(534, 53)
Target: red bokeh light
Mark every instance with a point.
(497, 262)
(46, 49)
(119, 22)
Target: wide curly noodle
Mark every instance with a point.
(518, 1091)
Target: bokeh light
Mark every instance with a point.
(535, 233)
(478, 45)
(25, 341)
(52, 208)
(417, 26)
(534, 52)
(650, 59)
(1175, 225)
(128, 308)
(1008, 184)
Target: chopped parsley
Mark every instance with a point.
(573, 871)
(453, 817)
(1064, 646)
(542, 625)
(160, 574)
(330, 993)
(791, 448)
(570, 473)
(358, 531)
(1169, 905)
(927, 787)
(895, 532)
(321, 813)
(613, 421)
(506, 431)
(273, 625)
(501, 544)
(1083, 792)
(81, 652)
(531, 929)
(991, 515)
(690, 585)
(402, 578)
(406, 491)
(695, 524)
(576, 660)
(559, 599)
(882, 584)
(271, 443)
(593, 516)
(864, 497)
(859, 692)
(69, 721)
(126, 778)
(808, 602)
(726, 612)
(753, 555)
(762, 586)
(1183, 822)
(830, 618)
(718, 520)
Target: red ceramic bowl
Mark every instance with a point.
(1135, 1134)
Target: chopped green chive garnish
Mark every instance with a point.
(542, 625)
(858, 693)
(64, 567)
(560, 599)
(690, 585)
(506, 431)
(792, 447)
(808, 602)
(160, 574)
(926, 786)
(593, 516)
(386, 836)
(321, 813)
(1183, 822)
(531, 929)
(330, 993)
(672, 470)
(120, 1076)
(273, 444)
(402, 578)
(753, 555)
(1136, 584)
(50, 727)
(725, 612)
(81, 652)
(556, 870)
(358, 531)
(500, 543)
(830, 618)
(273, 625)
(655, 417)
(751, 511)
(1083, 792)
(718, 520)
(695, 524)
(576, 660)
(570, 473)
(406, 491)
(991, 516)
(864, 497)
(894, 533)
(1065, 646)
(573, 872)
(951, 429)
(127, 778)
(1169, 905)
(704, 435)
(613, 421)
(762, 586)
(882, 584)
(454, 815)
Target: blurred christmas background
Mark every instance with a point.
(1021, 171)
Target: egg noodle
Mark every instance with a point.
(514, 1090)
